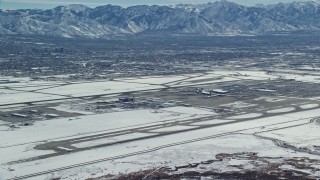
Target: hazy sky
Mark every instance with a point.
(45, 4)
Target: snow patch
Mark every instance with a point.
(309, 106)
(282, 110)
(246, 116)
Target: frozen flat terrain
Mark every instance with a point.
(309, 106)
(67, 127)
(301, 136)
(282, 110)
(245, 116)
(125, 125)
(203, 136)
(215, 121)
(98, 88)
(24, 97)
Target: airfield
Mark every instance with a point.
(221, 121)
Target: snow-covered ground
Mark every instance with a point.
(281, 110)
(42, 90)
(193, 110)
(306, 135)
(98, 88)
(164, 146)
(3, 122)
(270, 99)
(69, 108)
(26, 84)
(66, 127)
(172, 128)
(110, 140)
(245, 116)
(215, 121)
(238, 104)
(154, 79)
(309, 106)
(23, 97)
(183, 155)
(169, 150)
(7, 91)
(266, 90)
(298, 77)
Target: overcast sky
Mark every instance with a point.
(45, 4)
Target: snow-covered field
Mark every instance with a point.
(67, 127)
(309, 106)
(23, 97)
(281, 110)
(158, 80)
(270, 99)
(42, 90)
(238, 104)
(172, 128)
(216, 121)
(151, 145)
(98, 88)
(306, 135)
(110, 140)
(245, 129)
(179, 155)
(3, 122)
(246, 116)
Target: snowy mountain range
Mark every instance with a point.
(218, 18)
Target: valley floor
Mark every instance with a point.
(217, 124)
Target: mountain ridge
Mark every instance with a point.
(217, 18)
